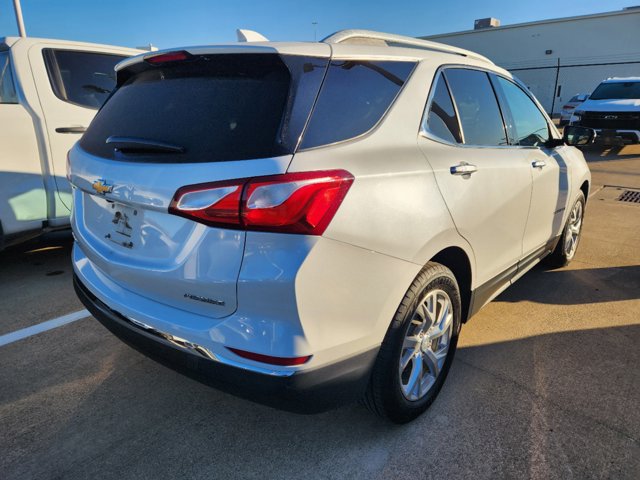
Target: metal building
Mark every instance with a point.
(561, 57)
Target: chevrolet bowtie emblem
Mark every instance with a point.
(101, 186)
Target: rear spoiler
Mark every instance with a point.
(133, 65)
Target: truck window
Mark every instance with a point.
(81, 78)
(7, 88)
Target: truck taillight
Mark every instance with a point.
(303, 203)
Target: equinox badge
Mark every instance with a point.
(101, 186)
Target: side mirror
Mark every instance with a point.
(578, 136)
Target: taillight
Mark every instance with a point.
(302, 203)
(568, 107)
(162, 58)
(215, 204)
(294, 202)
(282, 361)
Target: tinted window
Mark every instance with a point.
(82, 78)
(617, 90)
(442, 120)
(216, 107)
(529, 125)
(354, 97)
(477, 107)
(7, 88)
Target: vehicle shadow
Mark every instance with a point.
(48, 253)
(575, 287)
(599, 153)
(533, 407)
(36, 282)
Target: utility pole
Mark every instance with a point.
(556, 89)
(19, 20)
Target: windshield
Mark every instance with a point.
(617, 90)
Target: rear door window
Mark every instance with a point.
(7, 87)
(354, 97)
(477, 107)
(214, 107)
(441, 119)
(530, 128)
(81, 78)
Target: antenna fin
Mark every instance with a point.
(250, 36)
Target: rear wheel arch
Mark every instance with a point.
(585, 189)
(457, 260)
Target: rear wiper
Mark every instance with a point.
(141, 145)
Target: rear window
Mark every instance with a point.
(354, 97)
(81, 78)
(216, 108)
(617, 91)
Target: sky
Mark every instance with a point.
(171, 23)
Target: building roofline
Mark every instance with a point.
(629, 11)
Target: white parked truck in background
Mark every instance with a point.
(50, 91)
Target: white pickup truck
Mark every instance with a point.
(49, 92)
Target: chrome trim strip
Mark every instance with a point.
(190, 347)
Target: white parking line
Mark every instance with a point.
(42, 327)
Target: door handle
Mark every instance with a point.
(71, 129)
(538, 164)
(463, 168)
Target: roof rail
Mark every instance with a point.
(391, 40)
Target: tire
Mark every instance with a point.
(390, 393)
(565, 251)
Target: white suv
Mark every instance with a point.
(304, 224)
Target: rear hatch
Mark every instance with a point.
(180, 119)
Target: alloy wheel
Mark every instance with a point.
(426, 344)
(572, 235)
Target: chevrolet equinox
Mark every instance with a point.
(306, 224)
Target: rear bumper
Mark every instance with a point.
(309, 391)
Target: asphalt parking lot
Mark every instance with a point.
(546, 383)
